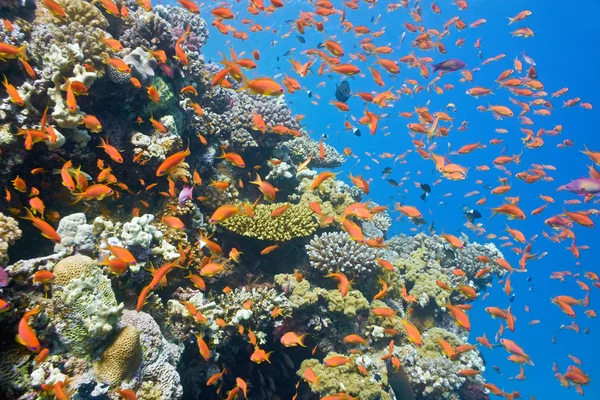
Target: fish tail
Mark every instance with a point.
(78, 197)
(518, 158)
(301, 340)
(22, 52)
(510, 20)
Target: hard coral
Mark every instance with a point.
(336, 251)
(122, 358)
(86, 311)
(297, 221)
(70, 268)
(9, 233)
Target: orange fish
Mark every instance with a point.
(26, 336)
(112, 152)
(14, 95)
(45, 228)
(173, 162)
(292, 339)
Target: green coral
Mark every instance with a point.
(345, 378)
(301, 295)
(297, 221)
(86, 311)
(350, 305)
(168, 100)
(122, 358)
(431, 346)
(424, 286)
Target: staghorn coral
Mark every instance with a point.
(336, 251)
(86, 311)
(297, 221)
(122, 358)
(9, 233)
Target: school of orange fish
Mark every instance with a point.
(428, 44)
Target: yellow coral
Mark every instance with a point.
(297, 221)
(122, 358)
(72, 267)
(9, 233)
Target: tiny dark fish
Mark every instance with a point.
(277, 58)
(357, 132)
(309, 93)
(320, 46)
(301, 39)
(386, 170)
(426, 190)
(471, 214)
(432, 227)
(451, 65)
(392, 182)
(343, 92)
(288, 53)
(290, 21)
(512, 298)
(418, 221)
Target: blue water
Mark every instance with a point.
(564, 50)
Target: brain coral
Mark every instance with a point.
(122, 358)
(71, 268)
(9, 233)
(336, 251)
(297, 221)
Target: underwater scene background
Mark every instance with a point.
(298, 200)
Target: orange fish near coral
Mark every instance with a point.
(26, 336)
(173, 162)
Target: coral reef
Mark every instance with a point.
(144, 291)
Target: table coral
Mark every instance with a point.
(297, 221)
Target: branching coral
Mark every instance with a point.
(297, 221)
(336, 251)
(9, 233)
